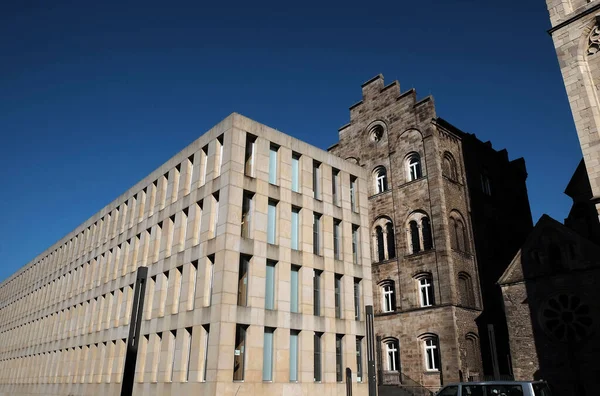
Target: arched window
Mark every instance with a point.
(472, 349)
(384, 239)
(426, 229)
(388, 296)
(449, 167)
(465, 287)
(391, 240)
(459, 237)
(380, 175)
(413, 164)
(431, 352)
(380, 243)
(414, 237)
(419, 232)
(392, 356)
(426, 296)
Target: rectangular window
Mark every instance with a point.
(353, 192)
(205, 360)
(209, 279)
(317, 292)
(188, 352)
(356, 298)
(426, 291)
(335, 186)
(250, 155)
(337, 239)
(294, 288)
(215, 214)
(172, 336)
(193, 284)
(317, 179)
(338, 296)
(189, 178)
(339, 368)
(204, 164)
(432, 357)
(177, 292)
(295, 228)
(268, 354)
(270, 285)
(294, 355)
(317, 357)
(272, 221)
(359, 364)
(246, 213)
(295, 172)
(219, 155)
(239, 352)
(355, 242)
(316, 233)
(273, 149)
(243, 281)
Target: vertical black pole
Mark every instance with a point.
(371, 351)
(348, 381)
(134, 332)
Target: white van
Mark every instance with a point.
(496, 388)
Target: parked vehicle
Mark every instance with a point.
(496, 388)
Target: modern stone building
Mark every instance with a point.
(430, 186)
(257, 247)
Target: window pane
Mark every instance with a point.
(316, 233)
(336, 239)
(243, 281)
(294, 289)
(338, 296)
(359, 364)
(317, 179)
(270, 286)
(238, 355)
(317, 356)
(293, 355)
(273, 164)
(295, 228)
(339, 376)
(317, 293)
(295, 172)
(271, 222)
(357, 299)
(268, 355)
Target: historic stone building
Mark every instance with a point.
(429, 185)
(552, 299)
(576, 35)
(257, 248)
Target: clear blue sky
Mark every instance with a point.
(94, 97)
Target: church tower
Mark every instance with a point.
(576, 35)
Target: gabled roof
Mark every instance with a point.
(547, 226)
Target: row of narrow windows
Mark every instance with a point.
(430, 350)
(296, 174)
(419, 236)
(149, 200)
(176, 290)
(159, 360)
(424, 289)
(170, 236)
(414, 171)
(273, 215)
(166, 190)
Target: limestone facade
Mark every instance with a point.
(248, 293)
(425, 178)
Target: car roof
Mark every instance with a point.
(497, 383)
